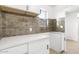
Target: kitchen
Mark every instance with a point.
(31, 29)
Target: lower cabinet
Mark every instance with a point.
(57, 42)
(22, 49)
(39, 46)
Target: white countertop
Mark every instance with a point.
(15, 40)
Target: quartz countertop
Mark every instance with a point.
(15, 40)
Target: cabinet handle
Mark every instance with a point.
(47, 47)
(26, 53)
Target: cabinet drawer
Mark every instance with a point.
(16, 50)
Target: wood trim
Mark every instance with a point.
(17, 11)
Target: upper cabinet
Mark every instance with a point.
(30, 8)
(21, 7)
(18, 9)
(34, 8)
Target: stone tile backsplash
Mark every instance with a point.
(12, 25)
(0, 26)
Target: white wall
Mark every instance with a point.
(60, 11)
(71, 21)
(71, 26)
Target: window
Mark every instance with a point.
(43, 16)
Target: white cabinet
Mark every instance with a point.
(34, 47)
(34, 8)
(22, 49)
(21, 7)
(57, 41)
(39, 46)
(25, 44)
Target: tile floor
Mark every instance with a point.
(72, 47)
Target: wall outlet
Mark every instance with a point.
(30, 29)
(61, 26)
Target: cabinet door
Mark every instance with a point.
(57, 41)
(21, 7)
(22, 49)
(34, 8)
(39, 47)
